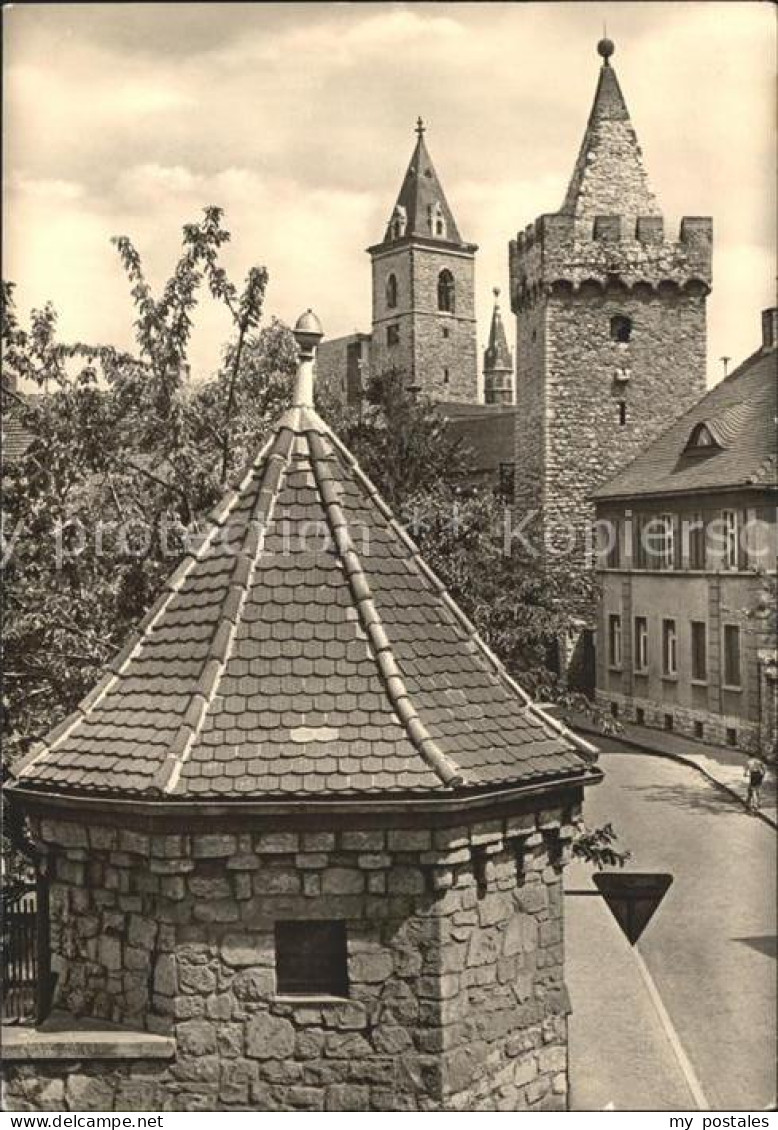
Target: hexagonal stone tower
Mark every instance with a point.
(307, 825)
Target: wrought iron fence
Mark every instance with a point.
(25, 953)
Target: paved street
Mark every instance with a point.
(710, 948)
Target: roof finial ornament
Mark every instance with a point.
(496, 293)
(605, 47)
(308, 333)
(420, 127)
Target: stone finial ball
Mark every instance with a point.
(308, 331)
(606, 47)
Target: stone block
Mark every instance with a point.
(409, 839)
(213, 846)
(311, 860)
(239, 950)
(199, 979)
(220, 1006)
(522, 825)
(451, 839)
(347, 1097)
(173, 887)
(486, 832)
(345, 1016)
(376, 883)
(195, 1037)
(347, 1045)
(245, 861)
(269, 1037)
(66, 833)
(370, 966)
(135, 842)
(364, 841)
(277, 881)
(342, 881)
(277, 843)
(110, 952)
(406, 880)
(256, 984)
(88, 1093)
(209, 888)
(312, 884)
(216, 910)
(309, 1044)
(142, 932)
(318, 841)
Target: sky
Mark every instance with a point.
(298, 120)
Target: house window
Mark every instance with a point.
(621, 328)
(614, 710)
(392, 335)
(668, 722)
(506, 481)
(445, 331)
(639, 549)
(391, 292)
(669, 648)
(610, 541)
(311, 959)
(731, 737)
(699, 730)
(614, 641)
(701, 439)
(640, 716)
(446, 291)
(732, 673)
(445, 377)
(699, 651)
(641, 643)
(730, 532)
(696, 541)
(622, 413)
(665, 542)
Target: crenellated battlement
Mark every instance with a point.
(556, 248)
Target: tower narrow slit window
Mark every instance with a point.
(391, 292)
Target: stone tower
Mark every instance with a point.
(306, 830)
(424, 290)
(498, 363)
(610, 312)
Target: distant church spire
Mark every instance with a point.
(422, 210)
(609, 176)
(498, 362)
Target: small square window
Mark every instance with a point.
(731, 737)
(614, 710)
(445, 331)
(311, 959)
(392, 335)
(699, 730)
(640, 716)
(668, 722)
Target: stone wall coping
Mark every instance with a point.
(62, 1036)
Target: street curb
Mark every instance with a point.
(682, 759)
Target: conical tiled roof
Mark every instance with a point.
(422, 199)
(304, 651)
(609, 176)
(497, 356)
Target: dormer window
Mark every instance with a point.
(436, 220)
(391, 292)
(701, 439)
(399, 222)
(621, 328)
(446, 291)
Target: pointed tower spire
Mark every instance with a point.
(422, 209)
(609, 176)
(498, 362)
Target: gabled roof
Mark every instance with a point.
(609, 177)
(421, 190)
(305, 652)
(487, 431)
(740, 414)
(497, 356)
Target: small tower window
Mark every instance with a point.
(445, 376)
(445, 331)
(622, 413)
(391, 292)
(446, 291)
(392, 335)
(621, 328)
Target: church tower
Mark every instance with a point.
(424, 290)
(610, 313)
(498, 363)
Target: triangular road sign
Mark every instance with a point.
(632, 897)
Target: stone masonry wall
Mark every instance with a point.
(585, 441)
(455, 963)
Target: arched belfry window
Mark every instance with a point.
(391, 292)
(621, 328)
(446, 291)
